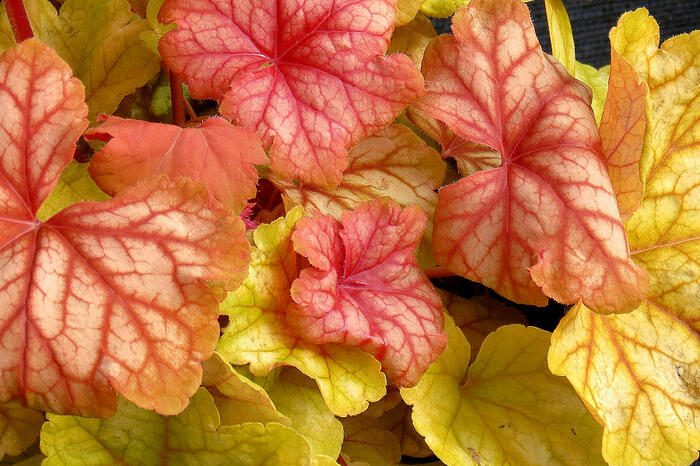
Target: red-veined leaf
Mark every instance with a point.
(310, 77)
(366, 289)
(107, 295)
(216, 153)
(544, 223)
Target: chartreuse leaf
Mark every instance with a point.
(158, 30)
(597, 80)
(412, 38)
(258, 333)
(135, 436)
(299, 399)
(100, 40)
(237, 398)
(74, 185)
(638, 372)
(19, 427)
(442, 8)
(545, 222)
(560, 34)
(479, 316)
(506, 408)
(310, 77)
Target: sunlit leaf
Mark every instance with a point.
(136, 436)
(597, 80)
(19, 428)
(258, 333)
(442, 8)
(545, 223)
(366, 289)
(215, 153)
(506, 408)
(100, 40)
(310, 77)
(638, 373)
(560, 34)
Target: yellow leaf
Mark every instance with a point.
(368, 441)
(238, 399)
(506, 408)
(100, 40)
(19, 427)
(258, 333)
(597, 80)
(560, 34)
(74, 185)
(442, 8)
(299, 399)
(412, 38)
(640, 373)
(479, 316)
(406, 10)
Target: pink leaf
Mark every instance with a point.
(310, 77)
(366, 289)
(545, 223)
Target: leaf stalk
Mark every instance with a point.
(18, 20)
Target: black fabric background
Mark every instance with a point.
(591, 21)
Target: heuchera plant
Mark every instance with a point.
(313, 232)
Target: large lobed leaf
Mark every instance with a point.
(505, 408)
(365, 287)
(107, 295)
(638, 372)
(258, 333)
(544, 223)
(310, 77)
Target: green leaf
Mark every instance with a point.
(506, 408)
(19, 427)
(100, 40)
(74, 185)
(135, 436)
(258, 333)
(597, 80)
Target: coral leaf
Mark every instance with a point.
(258, 333)
(545, 223)
(365, 287)
(506, 408)
(218, 154)
(310, 77)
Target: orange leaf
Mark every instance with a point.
(103, 296)
(622, 132)
(545, 223)
(366, 289)
(310, 77)
(216, 153)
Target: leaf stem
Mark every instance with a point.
(18, 20)
(438, 272)
(178, 99)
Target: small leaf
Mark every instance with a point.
(299, 399)
(622, 133)
(479, 316)
(74, 185)
(368, 441)
(506, 408)
(545, 223)
(19, 428)
(560, 34)
(597, 80)
(412, 38)
(136, 436)
(258, 333)
(442, 8)
(366, 289)
(238, 399)
(214, 153)
(406, 10)
(310, 77)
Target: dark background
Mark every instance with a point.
(591, 21)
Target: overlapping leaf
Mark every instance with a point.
(366, 289)
(106, 295)
(258, 333)
(136, 436)
(412, 38)
(639, 372)
(74, 185)
(544, 223)
(100, 40)
(310, 77)
(19, 428)
(215, 153)
(367, 440)
(506, 408)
